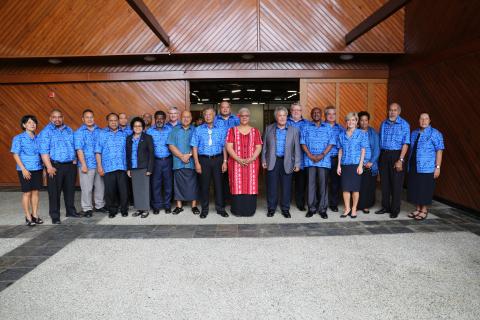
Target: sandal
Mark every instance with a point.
(37, 220)
(413, 214)
(195, 210)
(419, 217)
(177, 210)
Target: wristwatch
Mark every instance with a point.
(438, 167)
(401, 159)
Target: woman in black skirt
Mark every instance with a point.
(351, 151)
(29, 167)
(424, 166)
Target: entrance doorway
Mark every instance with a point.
(261, 96)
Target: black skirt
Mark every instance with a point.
(35, 182)
(420, 188)
(367, 190)
(351, 180)
(244, 205)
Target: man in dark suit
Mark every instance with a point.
(281, 156)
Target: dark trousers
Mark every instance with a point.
(277, 178)
(335, 182)
(317, 189)
(211, 169)
(116, 191)
(392, 180)
(63, 180)
(300, 179)
(162, 184)
(227, 196)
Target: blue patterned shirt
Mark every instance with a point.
(352, 146)
(180, 138)
(171, 126)
(393, 135)
(301, 125)
(128, 131)
(317, 140)
(27, 149)
(209, 141)
(112, 146)
(280, 140)
(135, 142)
(372, 152)
(57, 143)
(231, 121)
(430, 141)
(160, 136)
(85, 140)
(336, 131)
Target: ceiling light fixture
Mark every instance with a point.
(226, 99)
(346, 57)
(247, 56)
(291, 91)
(266, 90)
(237, 98)
(54, 61)
(254, 102)
(236, 90)
(150, 58)
(251, 90)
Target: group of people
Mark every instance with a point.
(153, 161)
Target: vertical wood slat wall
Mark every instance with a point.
(346, 95)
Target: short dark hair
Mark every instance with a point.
(87, 110)
(363, 113)
(25, 119)
(111, 114)
(137, 119)
(160, 113)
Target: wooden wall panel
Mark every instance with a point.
(378, 106)
(134, 98)
(352, 98)
(319, 95)
(446, 85)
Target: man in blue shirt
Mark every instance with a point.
(162, 178)
(300, 177)
(226, 120)
(210, 157)
(317, 140)
(184, 175)
(58, 154)
(90, 179)
(394, 141)
(110, 150)
(334, 179)
(173, 121)
(123, 124)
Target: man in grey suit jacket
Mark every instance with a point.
(281, 156)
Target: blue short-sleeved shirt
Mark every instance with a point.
(85, 140)
(160, 136)
(135, 142)
(301, 125)
(128, 131)
(28, 150)
(336, 131)
(430, 141)
(112, 146)
(209, 141)
(231, 121)
(171, 126)
(393, 135)
(280, 140)
(352, 146)
(317, 140)
(57, 143)
(180, 138)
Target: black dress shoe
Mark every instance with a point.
(88, 213)
(223, 214)
(56, 221)
(301, 208)
(286, 214)
(334, 208)
(195, 210)
(29, 223)
(124, 214)
(112, 215)
(74, 215)
(270, 213)
(310, 214)
(393, 215)
(137, 213)
(37, 220)
(346, 214)
(203, 215)
(381, 211)
(156, 211)
(324, 214)
(102, 209)
(168, 210)
(366, 211)
(145, 214)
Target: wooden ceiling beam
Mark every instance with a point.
(378, 16)
(148, 17)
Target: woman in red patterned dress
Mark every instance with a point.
(244, 144)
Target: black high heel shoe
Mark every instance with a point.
(29, 223)
(346, 214)
(37, 220)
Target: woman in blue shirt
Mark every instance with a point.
(424, 166)
(370, 167)
(29, 167)
(351, 151)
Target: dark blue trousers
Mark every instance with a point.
(161, 184)
(278, 182)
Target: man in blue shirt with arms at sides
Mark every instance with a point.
(110, 150)
(317, 140)
(394, 141)
(90, 180)
(58, 155)
(161, 181)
